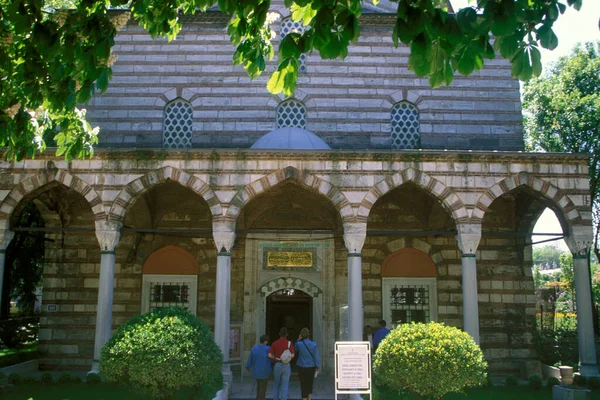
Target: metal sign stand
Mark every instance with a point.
(353, 368)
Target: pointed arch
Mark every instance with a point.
(449, 200)
(557, 197)
(44, 178)
(134, 189)
(290, 282)
(309, 181)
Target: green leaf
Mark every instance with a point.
(547, 37)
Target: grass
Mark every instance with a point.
(100, 391)
(18, 355)
(495, 393)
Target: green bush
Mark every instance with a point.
(552, 381)
(511, 381)
(65, 378)
(580, 380)
(93, 379)
(434, 359)
(161, 352)
(47, 378)
(14, 379)
(535, 382)
(556, 346)
(29, 380)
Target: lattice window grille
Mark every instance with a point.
(291, 113)
(288, 25)
(409, 303)
(405, 126)
(161, 291)
(169, 294)
(178, 124)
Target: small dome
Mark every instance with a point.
(290, 138)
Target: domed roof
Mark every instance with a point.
(290, 138)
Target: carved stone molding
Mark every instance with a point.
(468, 237)
(580, 240)
(224, 235)
(355, 234)
(108, 234)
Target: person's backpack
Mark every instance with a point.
(286, 356)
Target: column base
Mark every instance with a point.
(227, 375)
(95, 367)
(588, 370)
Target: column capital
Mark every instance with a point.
(224, 235)
(355, 234)
(580, 240)
(468, 238)
(108, 234)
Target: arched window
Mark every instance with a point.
(405, 126)
(170, 279)
(291, 113)
(288, 26)
(178, 124)
(409, 287)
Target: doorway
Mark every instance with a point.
(291, 308)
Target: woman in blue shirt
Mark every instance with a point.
(308, 362)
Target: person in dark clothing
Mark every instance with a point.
(261, 367)
(308, 363)
(380, 334)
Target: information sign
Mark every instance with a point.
(352, 368)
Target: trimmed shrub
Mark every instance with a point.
(76, 379)
(64, 378)
(93, 379)
(29, 380)
(552, 381)
(434, 359)
(594, 382)
(511, 381)
(162, 352)
(580, 380)
(47, 378)
(14, 379)
(535, 382)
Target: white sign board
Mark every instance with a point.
(352, 368)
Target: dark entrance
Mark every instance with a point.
(290, 308)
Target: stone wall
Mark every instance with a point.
(348, 102)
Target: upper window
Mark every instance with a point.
(178, 124)
(291, 113)
(288, 26)
(405, 126)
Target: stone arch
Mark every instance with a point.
(556, 196)
(139, 186)
(276, 284)
(38, 181)
(397, 264)
(412, 243)
(304, 178)
(449, 200)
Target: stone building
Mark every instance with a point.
(366, 195)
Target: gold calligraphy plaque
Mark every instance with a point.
(289, 259)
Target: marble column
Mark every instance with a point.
(6, 236)
(354, 238)
(579, 243)
(224, 236)
(108, 235)
(468, 238)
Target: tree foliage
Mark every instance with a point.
(51, 60)
(563, 114)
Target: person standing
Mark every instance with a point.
(261, 367)
(308, 363)
(380, 334)
(368, 336)
(282, 351)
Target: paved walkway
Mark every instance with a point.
(323, 388)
